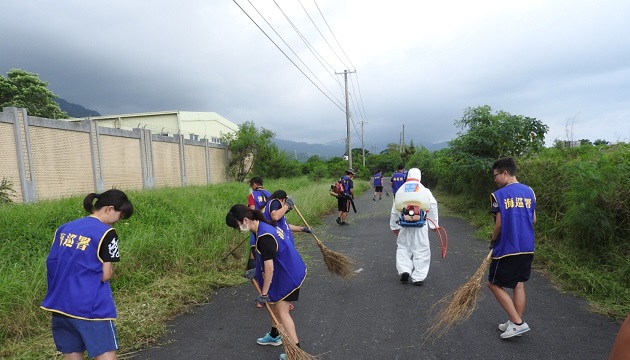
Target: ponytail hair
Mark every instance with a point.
(113, 197)
(239, 212)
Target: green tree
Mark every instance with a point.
(599, 142)
(585, 142)
(25, 90)
(492, 136)
(407, 152)
(247, 147)
(485, 137)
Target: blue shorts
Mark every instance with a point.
(76, 335)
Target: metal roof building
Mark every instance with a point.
(193, 125)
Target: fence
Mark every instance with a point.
(51, 159)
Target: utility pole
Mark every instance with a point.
(348, 146)
(362, 144)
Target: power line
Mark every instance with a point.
(278, 47)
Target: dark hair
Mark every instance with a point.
(256, 180)
(278, 194)
(113, 197)
(400, 167)
(505, 164)
(239, 212)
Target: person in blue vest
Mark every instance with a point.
(344, 200)
(378, 185)
(279, 271)
(398, 178)
(256, 200)
(79, 266)
(258, 196)
(275, 209)
(513, 207)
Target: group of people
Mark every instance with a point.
(513, 207)
(80, 261)
(274, 265)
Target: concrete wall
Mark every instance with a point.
(51, 159)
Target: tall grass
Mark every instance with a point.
(173, 252)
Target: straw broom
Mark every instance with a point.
(292, 351)
(459, 305)
(336, 263)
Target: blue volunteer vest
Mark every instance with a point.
(398, 178)
(75, 271)
(516, 203)
(345, 180)
(289, 270)
(260, 199)
(378, 179)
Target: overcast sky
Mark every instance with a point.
(419, 64)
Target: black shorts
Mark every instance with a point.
(510, 270)
(293, 296)
(378, 188)
(343, 204)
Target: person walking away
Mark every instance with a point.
(79, 267)
(256, 200)
(413, 251)
(513, 207)
(378, 185)
(279, 270)
(398, 178)
(344, 200)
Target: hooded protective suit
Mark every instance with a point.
(413, 253)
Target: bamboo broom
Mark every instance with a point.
(458, 305)
(291, 349)
(336, 263)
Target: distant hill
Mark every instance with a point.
(302, 151)
(75, 110)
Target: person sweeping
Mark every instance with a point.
(279, 270)
(512, 240)
(513, 207)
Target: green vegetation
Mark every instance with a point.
(23, 89)
(176, 245)
(174, 251)
(6, 191)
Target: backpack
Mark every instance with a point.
(412, 216)
(337, 188)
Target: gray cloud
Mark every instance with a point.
(418, 64)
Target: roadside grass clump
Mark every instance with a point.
(173, 253)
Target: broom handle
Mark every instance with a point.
(305, 223)
(273, 317)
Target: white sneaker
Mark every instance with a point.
(504, 326)
(514, 330)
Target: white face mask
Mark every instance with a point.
(244, 227)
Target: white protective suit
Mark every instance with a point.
(413, 254)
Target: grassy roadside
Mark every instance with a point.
(174, 250)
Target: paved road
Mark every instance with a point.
(374, 316)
